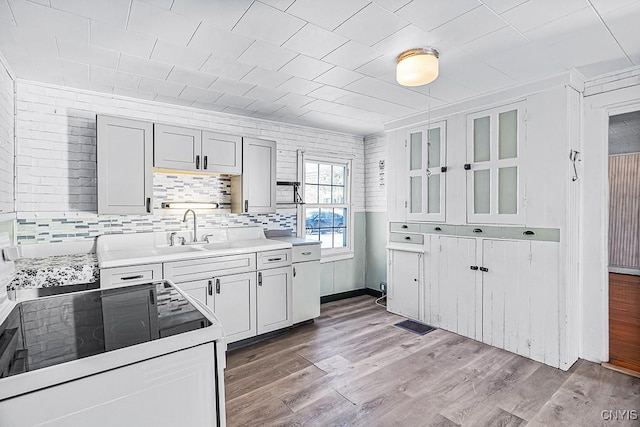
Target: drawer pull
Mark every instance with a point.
(138, 276)
(474, 267)
(529, 233)
(405, 226)
(477, 230)
(217, 286)
(407, 238)
(274, 259)
(306, 253)
(438, 229)
(485, 269)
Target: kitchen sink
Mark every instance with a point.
(168, 250)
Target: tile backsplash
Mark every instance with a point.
(166, 187)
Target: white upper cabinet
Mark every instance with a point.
(196, 150)
(221, 153)
(255, 190)
(177, 148)
(495, 184)
(124, 170)
(426, 177)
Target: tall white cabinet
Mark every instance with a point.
(255, 190)
(124, 166)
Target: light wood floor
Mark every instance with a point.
(352, 367)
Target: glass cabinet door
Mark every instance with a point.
(495, 189)
(426, 180)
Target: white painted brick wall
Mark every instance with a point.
(56, 144)
(375, 149)
(6, 141)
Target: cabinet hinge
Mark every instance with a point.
(405, 142)
(405, 203)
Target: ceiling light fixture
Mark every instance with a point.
(417, 67)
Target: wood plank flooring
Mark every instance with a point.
(352, 367)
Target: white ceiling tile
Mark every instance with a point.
(553, 31)
(623, 23)
(40, 20)
(293, 100)
(36, 46)
(470, 26)
(446, 90)
(226, 68)
(306, 67)
(279, 4)
(359, 114)
(524, 63)
(376, 105)
(161, 87)
(469, 71)
(341, 124)
(208, 106)
(191, 78)
(266, 23)
(221, 43)
(380, 66)
(199, 94)
(164, 4)
(392, 5)
(113, 12)
(233, 87)
(92, 55)
(173, 100)
(352, 55)
(223, 14)
(338, 77)
(266, 78)
(244, 111)
(494, 43)
(314, 41)
(409, 37)
(321, 105)
(143, 67)
(6, 16)
(265, 93)
(186, 57)
(134, 93)
(607, 6)
(299, 86)
(75, 70)
(234, 101)
(430, 14)
(266, 56)
(328, 93)
(109, 77)
(534, 13)
(501, 6)
(390, 92)
(327, 13)
(128, 42)
(265, 106)
(370, 25)
(292, 111)
(165, 25)
(87, 85)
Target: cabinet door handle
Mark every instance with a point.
(137, 276)
(474, 267)
(198, 161)
(407, 237)
(405, 226)
(246, 206)
(148, 204)
(306, 253)
(152, 299)
(274, 259)
(210, 287)
(443, 169)
(477, 230)
(529, 233)
(467, 166)
(438, 229)
(259, 278)
(217, 286)
(294, 272)
(205, 162)
(485, 269)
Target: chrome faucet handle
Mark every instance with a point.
(172, 239)
(206, 237)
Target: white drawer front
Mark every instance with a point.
(133, 275)
(273, 259)
(205, 268)
(305, 253)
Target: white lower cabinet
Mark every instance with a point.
(274, 296)
(306, 290)
(405, 279)
(234, 302)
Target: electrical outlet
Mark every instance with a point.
(383, 287)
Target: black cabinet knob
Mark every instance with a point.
(477, 230)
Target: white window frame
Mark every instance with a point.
(494, 164)
(333, 254)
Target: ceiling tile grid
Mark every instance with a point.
(329, 64)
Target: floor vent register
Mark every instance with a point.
(415, 327)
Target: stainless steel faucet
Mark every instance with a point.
(195, 223)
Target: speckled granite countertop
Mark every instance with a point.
(55, 271)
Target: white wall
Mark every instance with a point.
(6, 140)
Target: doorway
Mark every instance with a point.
(624, 240)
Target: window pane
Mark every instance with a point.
(434, 148)
(481, 139)
(338, 194)
(415, 151)
(481, 191)
(416, 194)
(339, 217)
(339, 237)
(338, 175)
(326, 220)
(434, 194)
(312, 234)
(508, 135)
(312, 218)
(508, 190)
(324, 174)
(311, 173)
(311, 194)
(324, 194)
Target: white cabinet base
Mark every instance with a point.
(306, 291)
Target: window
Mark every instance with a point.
(327, 210)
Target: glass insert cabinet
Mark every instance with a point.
(426, 161)
(495, 144)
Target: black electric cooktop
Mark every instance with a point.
(57, 329)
